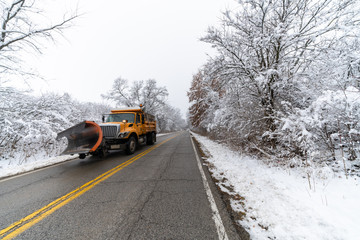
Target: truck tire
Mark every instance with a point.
(151, 139)
(103, 153)
(131, 145)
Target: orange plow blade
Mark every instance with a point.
(83, 138)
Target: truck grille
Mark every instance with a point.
(110, 130)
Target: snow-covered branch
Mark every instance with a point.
(21, 28)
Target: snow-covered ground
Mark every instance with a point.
(279, 204)
(12, 167)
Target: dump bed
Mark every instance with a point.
(150, 123)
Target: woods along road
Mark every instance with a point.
(160, 192)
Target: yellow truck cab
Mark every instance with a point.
(126, 128)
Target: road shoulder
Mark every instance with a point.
(228, 216)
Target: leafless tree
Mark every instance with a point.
(21, 30)
(146, 93)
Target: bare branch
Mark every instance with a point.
(19, 31)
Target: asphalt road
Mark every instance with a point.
(159, 195)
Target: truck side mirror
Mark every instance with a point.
(103, 118)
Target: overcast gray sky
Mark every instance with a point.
(136, 40)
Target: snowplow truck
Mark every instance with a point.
(122, 129)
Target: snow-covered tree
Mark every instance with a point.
(274, 59)
(197, 98)
(205, 95)
(169, 119)
(29, 125)
(332, 119)
(146, 93)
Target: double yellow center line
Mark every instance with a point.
(20, 226)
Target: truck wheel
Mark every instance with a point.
(103, 153)
(131, 146)
(151, 139)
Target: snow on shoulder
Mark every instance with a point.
(12, 167)
(278, 203)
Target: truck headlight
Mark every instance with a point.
(123, 134)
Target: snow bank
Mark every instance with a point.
(279, 203)
(14, 167)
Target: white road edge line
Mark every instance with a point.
(215, 212)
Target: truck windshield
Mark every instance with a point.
(119, 117)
